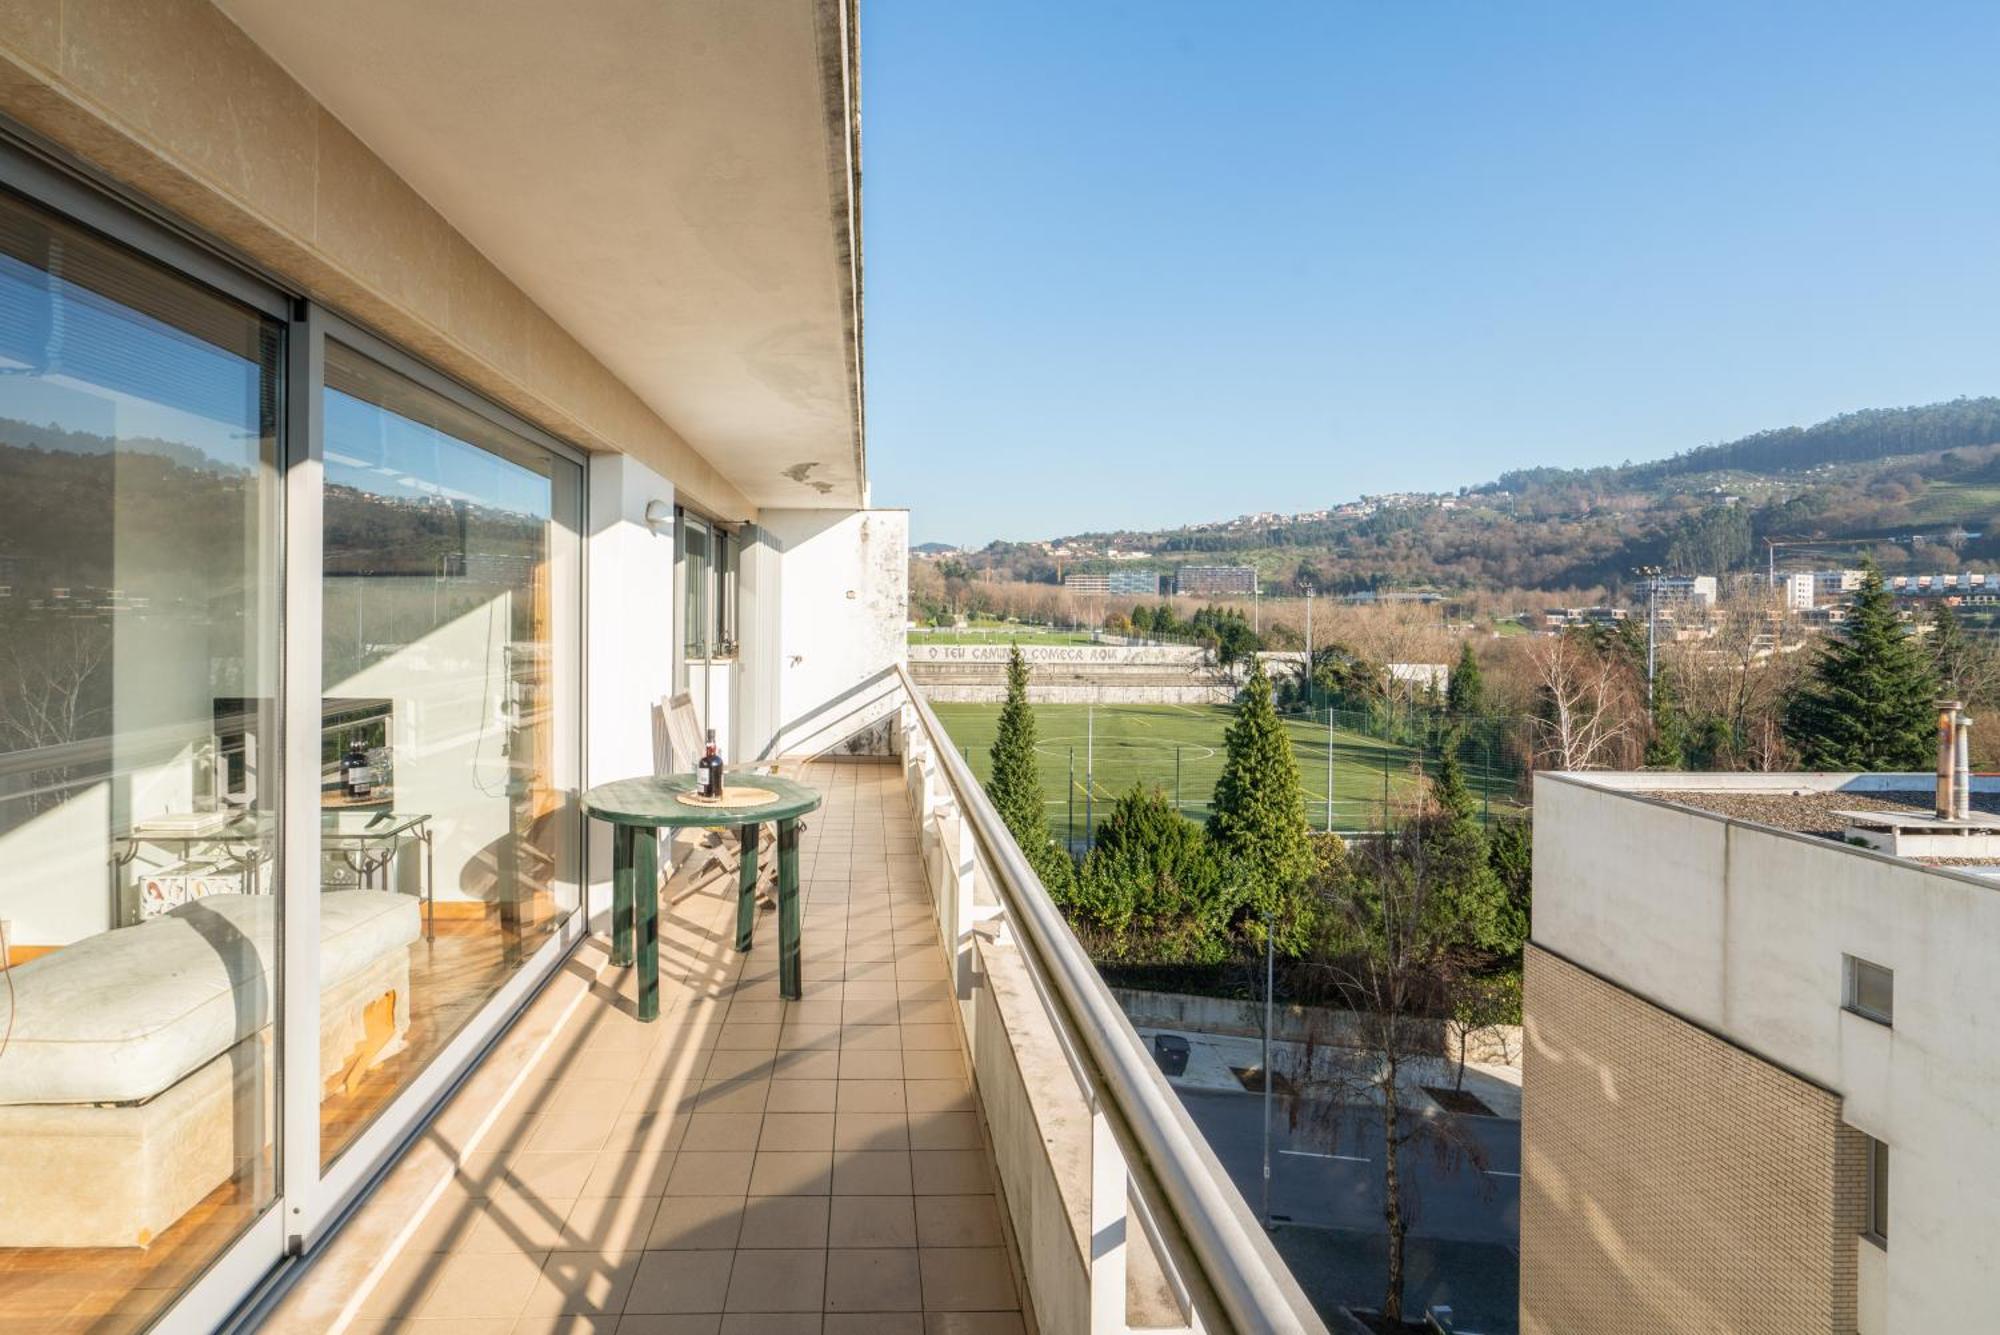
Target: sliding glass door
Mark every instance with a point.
(140, 495)
(290, 748)
(448, 767)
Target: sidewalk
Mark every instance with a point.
(1211, 1058)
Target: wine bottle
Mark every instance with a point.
(711, 769)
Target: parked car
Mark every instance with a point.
(1171, 1052)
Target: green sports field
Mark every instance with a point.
(1150, 743)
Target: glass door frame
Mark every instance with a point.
(316, 1199)
(308, 1204)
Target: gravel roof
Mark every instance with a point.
(1807, 812)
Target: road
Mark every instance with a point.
(1327, 1201)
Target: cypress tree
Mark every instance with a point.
(1667, 747)
(1259, 814)
(1015, 784)
(1869, 705)
(1465, 694)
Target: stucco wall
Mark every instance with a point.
(842, 607)
(1742, 929)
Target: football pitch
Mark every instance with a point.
(1179, 749)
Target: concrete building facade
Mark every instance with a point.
(1755, 1057)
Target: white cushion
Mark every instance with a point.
(119, 1017)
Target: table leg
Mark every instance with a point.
(746, 885)
(789, 986)
(646, 895)
(621, 894)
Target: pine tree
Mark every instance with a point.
(1015, 784)
(1869, 705)
(1950, 651)
(1667, 747)
(1259, 814)
(1448, 788)
(1465, 695)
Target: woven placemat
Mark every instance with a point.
(731, 797)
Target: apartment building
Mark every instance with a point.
(1123, 583)
(398, 416)
(1759, 1061)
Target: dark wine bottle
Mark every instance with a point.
(711, 769)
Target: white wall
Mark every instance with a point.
(628, 630)
(1742, 929)
(837, 627)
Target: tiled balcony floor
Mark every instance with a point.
(743, 1165)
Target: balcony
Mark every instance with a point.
(944, 1134)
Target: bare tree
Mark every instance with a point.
(1586, 715)
(1385, 953)
(52, 691)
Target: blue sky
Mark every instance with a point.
(1149, 263)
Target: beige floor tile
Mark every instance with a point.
(517, 1224)
(696, 1223)
(928, 1096)
(801, 1096)
(949, 1172)
(796, 1131)
(792, 1173)
(958, 1221)
(683, 1324)
(856, 1065)
(871, 1173)
(771, 1323)
(742, 1094)
(871, 1096)
(779, 1280)
(806, 1064)
(870, 1038)
(403, 1287)
(871, 1131)
(783, 1221)
(884, 1279)
(643, 1173)
(571, 1131)
(930, 1037)
(680, 1281)
(738, 1034)
(609, 1223)
(872, 1221)
(798, 1037)
(708, 1133)
(582, 1282)
(945, 1131)
(873, 1323)
(967, 1279)
(972, 1323)
(480, 1285)
(559, 1323)
(934, 1064)
(726, 1173)
(740, 1064)
(571, 1096)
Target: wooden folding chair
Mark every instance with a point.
(698, 854)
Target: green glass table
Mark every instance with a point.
(638, 809)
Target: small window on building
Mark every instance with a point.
(1877, 1230)
(1871, 990)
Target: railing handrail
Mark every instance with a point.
(1241, 1266)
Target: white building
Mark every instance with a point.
(1761, 1061)
(1795, 591)
(1698, 590)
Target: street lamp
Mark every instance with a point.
(1652, 576)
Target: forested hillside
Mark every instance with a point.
(1916, 488)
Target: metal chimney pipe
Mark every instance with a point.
(1947, 758)
(1962, 767)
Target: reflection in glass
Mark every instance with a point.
(139, 496)
(448, 756)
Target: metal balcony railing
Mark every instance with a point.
(1149, 1164)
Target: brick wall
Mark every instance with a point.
(1673, 1182)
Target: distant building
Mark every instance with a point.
(1963, 584)
(1834, 583)
(1422, 676)
(1796, 591)
(1701, 589)
(1212, 581)
(1117, 583)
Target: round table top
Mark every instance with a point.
(657, 802)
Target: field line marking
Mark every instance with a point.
(1308, 1154)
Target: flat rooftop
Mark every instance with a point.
(1823, 812)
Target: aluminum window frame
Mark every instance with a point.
(1875, 1227)
(1854, 969)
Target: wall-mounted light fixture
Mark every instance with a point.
(659, 515)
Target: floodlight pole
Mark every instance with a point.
(1270, 971)
(1089, 768)
(1329, 768)
(1311, 677)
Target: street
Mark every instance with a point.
(1326, 1201)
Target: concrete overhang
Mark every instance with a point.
(678, 185)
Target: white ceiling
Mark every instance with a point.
(666, 178)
